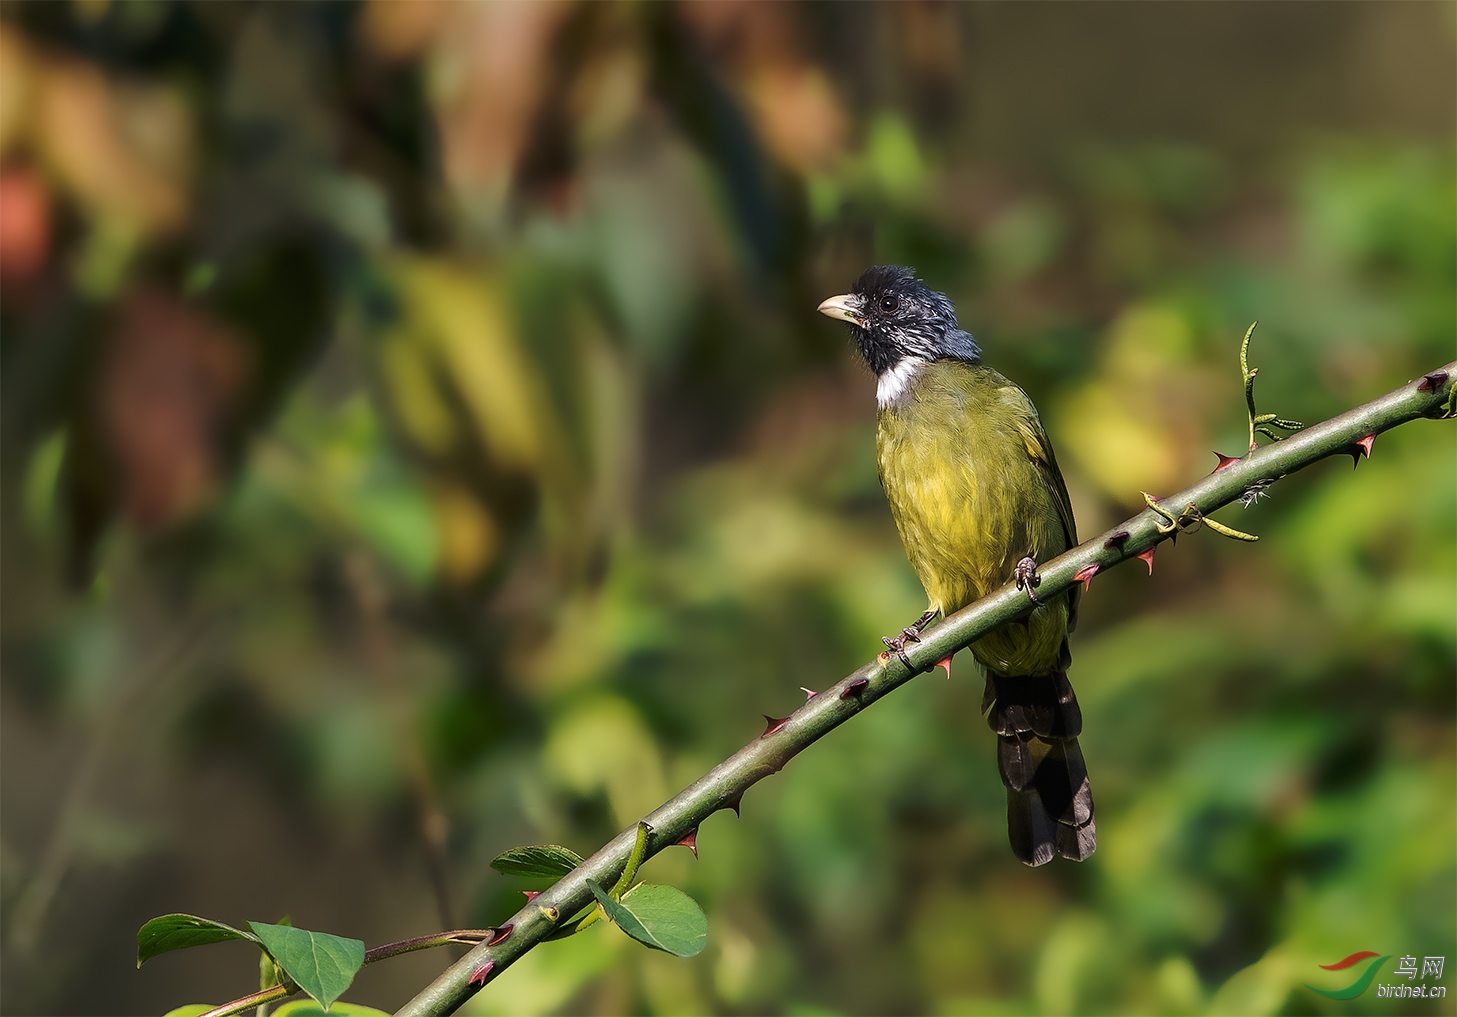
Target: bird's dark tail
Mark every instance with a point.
(1049, 800)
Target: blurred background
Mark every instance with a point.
(419, 440)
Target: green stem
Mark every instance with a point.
(639, 846)
(427, 943)
(265, 996)
(725, 784)
(639, 850)
(259, 998)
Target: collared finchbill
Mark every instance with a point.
(844, 307)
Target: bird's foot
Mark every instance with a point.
(910, 634)
(1028, 579)
(897, 644)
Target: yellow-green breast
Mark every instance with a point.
(974, 488)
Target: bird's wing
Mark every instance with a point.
(1039, 450)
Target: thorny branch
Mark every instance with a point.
(676, 821)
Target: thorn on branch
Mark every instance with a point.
(480, 974)
(1225, 462)
(1362, 448)
(855, 688)
(772, 725)
(1085, 575)
(1147, 556)
(500, 935)
(811, 693)
(531, 895)
(1116, 542)
(946, 663)
(690, 841)
(734, 803)
(1432, 382)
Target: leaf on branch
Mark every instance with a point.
(309, 1008)
(178, 931)
(662, 917)
(320, 964)
(551, 860)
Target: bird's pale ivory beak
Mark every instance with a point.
(843, 307)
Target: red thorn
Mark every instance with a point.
(773, 724)
(500, 935)
(1432, 382)
(690, 841)
(854, 688)
(808, 693)
(1116, 541)
(1147, 556)
(480, 974)
(946, 663)
(1366, 444)
(531, 895)
(1085, 575)
(1225, 461)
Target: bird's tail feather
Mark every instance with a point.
(1049, 799)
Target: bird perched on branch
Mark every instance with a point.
(978, 500)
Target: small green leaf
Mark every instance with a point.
(308, 1008)
(320, 964)
(190, 1010)
(177, 931)
(537, 860)
(663, 917)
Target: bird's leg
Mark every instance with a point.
(1028, 579)
(910, 634)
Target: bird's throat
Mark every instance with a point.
(895, 381)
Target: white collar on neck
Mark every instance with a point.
(895, 380)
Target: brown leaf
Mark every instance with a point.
(170, 381)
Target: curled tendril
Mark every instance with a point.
(1190, 519)
(1260, 423)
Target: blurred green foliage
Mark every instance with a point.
(419, 440)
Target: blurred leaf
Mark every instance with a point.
(662, 917)
(190, 1010)
(308, 1008)
(537, 860)
(603, 743)
(894, 158)
(320, 964)
(179, 931)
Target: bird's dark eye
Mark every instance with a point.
(889, 304)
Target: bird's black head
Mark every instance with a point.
(894, 316)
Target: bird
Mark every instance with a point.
(978, 499)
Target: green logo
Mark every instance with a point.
(1361, 984)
